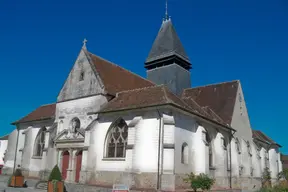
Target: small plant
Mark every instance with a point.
(266, 178)
(283, 175)
(55, 174)
(55, 177)
(201, 181)
(18, 173)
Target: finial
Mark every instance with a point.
(84, 43)
(166, 13)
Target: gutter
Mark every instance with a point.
(230, 159)
(159, 150)
(15, 156)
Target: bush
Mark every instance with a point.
(55, 174)
(201, 181)
(266, 178)
(18, 172)
(283, 174)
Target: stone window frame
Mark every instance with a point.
(39, 143)
(224, 143)
(249, 148)
(111, 133)
(208, 142)
(238, 145)
(185, 153)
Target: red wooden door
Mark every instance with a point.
(65, 164)
(78, 166)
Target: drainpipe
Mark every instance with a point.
(15, 156)
(230, 159)
(159, 150)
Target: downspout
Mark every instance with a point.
(230, 159)
(159, 150)
(15, 156)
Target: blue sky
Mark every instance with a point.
(226, 40)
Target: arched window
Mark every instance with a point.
(224, 143)
(39, 143)
(116, 141)
(238, 146)
(184, 154)
(208, 142)
(249, 148)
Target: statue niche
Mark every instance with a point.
(74, 127)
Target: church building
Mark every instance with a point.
(109, 125)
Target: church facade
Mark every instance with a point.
(109, 125)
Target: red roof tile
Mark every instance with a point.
(220, 98)
(263, 137)
(116, 78)
(155, 96)
(41, 113)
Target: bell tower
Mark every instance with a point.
(167, 62)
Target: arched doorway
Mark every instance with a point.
(78, 166)
(65, 163)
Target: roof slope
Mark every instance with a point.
(116, 78)
(220, 98)
(42, 113)
(167, 43)
(263, 137)
(155, 96)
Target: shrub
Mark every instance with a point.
(283, 174)
(18, 172)
(55, 174)
(201, 181)
(9, 181)
(266, 178)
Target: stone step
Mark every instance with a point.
(42, 185)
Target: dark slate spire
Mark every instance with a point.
(167, 47)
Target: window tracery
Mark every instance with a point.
(117, 140)
(39, 143)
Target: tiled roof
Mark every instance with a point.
(41, 113)
(5, 137)
(167, 43)
(116, 78)
(220, 98)
(263, 137)
(155, 96)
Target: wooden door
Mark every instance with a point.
(65, 164)
(78, 166)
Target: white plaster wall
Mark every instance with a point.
(256, 162)
(273, 157)
(96, 151)
(3, 147)
(185, 133)
(235, 159)
(10, 153)
(263, 157)
(78, 108)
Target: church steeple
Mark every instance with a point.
(167, 46)
(167, 62)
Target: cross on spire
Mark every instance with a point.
(167, 17)
(84, 43)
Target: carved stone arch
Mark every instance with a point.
(39, 142)
(116, 139)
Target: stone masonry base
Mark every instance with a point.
(148, 181)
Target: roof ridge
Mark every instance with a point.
(47, 104)
(120, 67)
(137, 89)
(220, 83)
